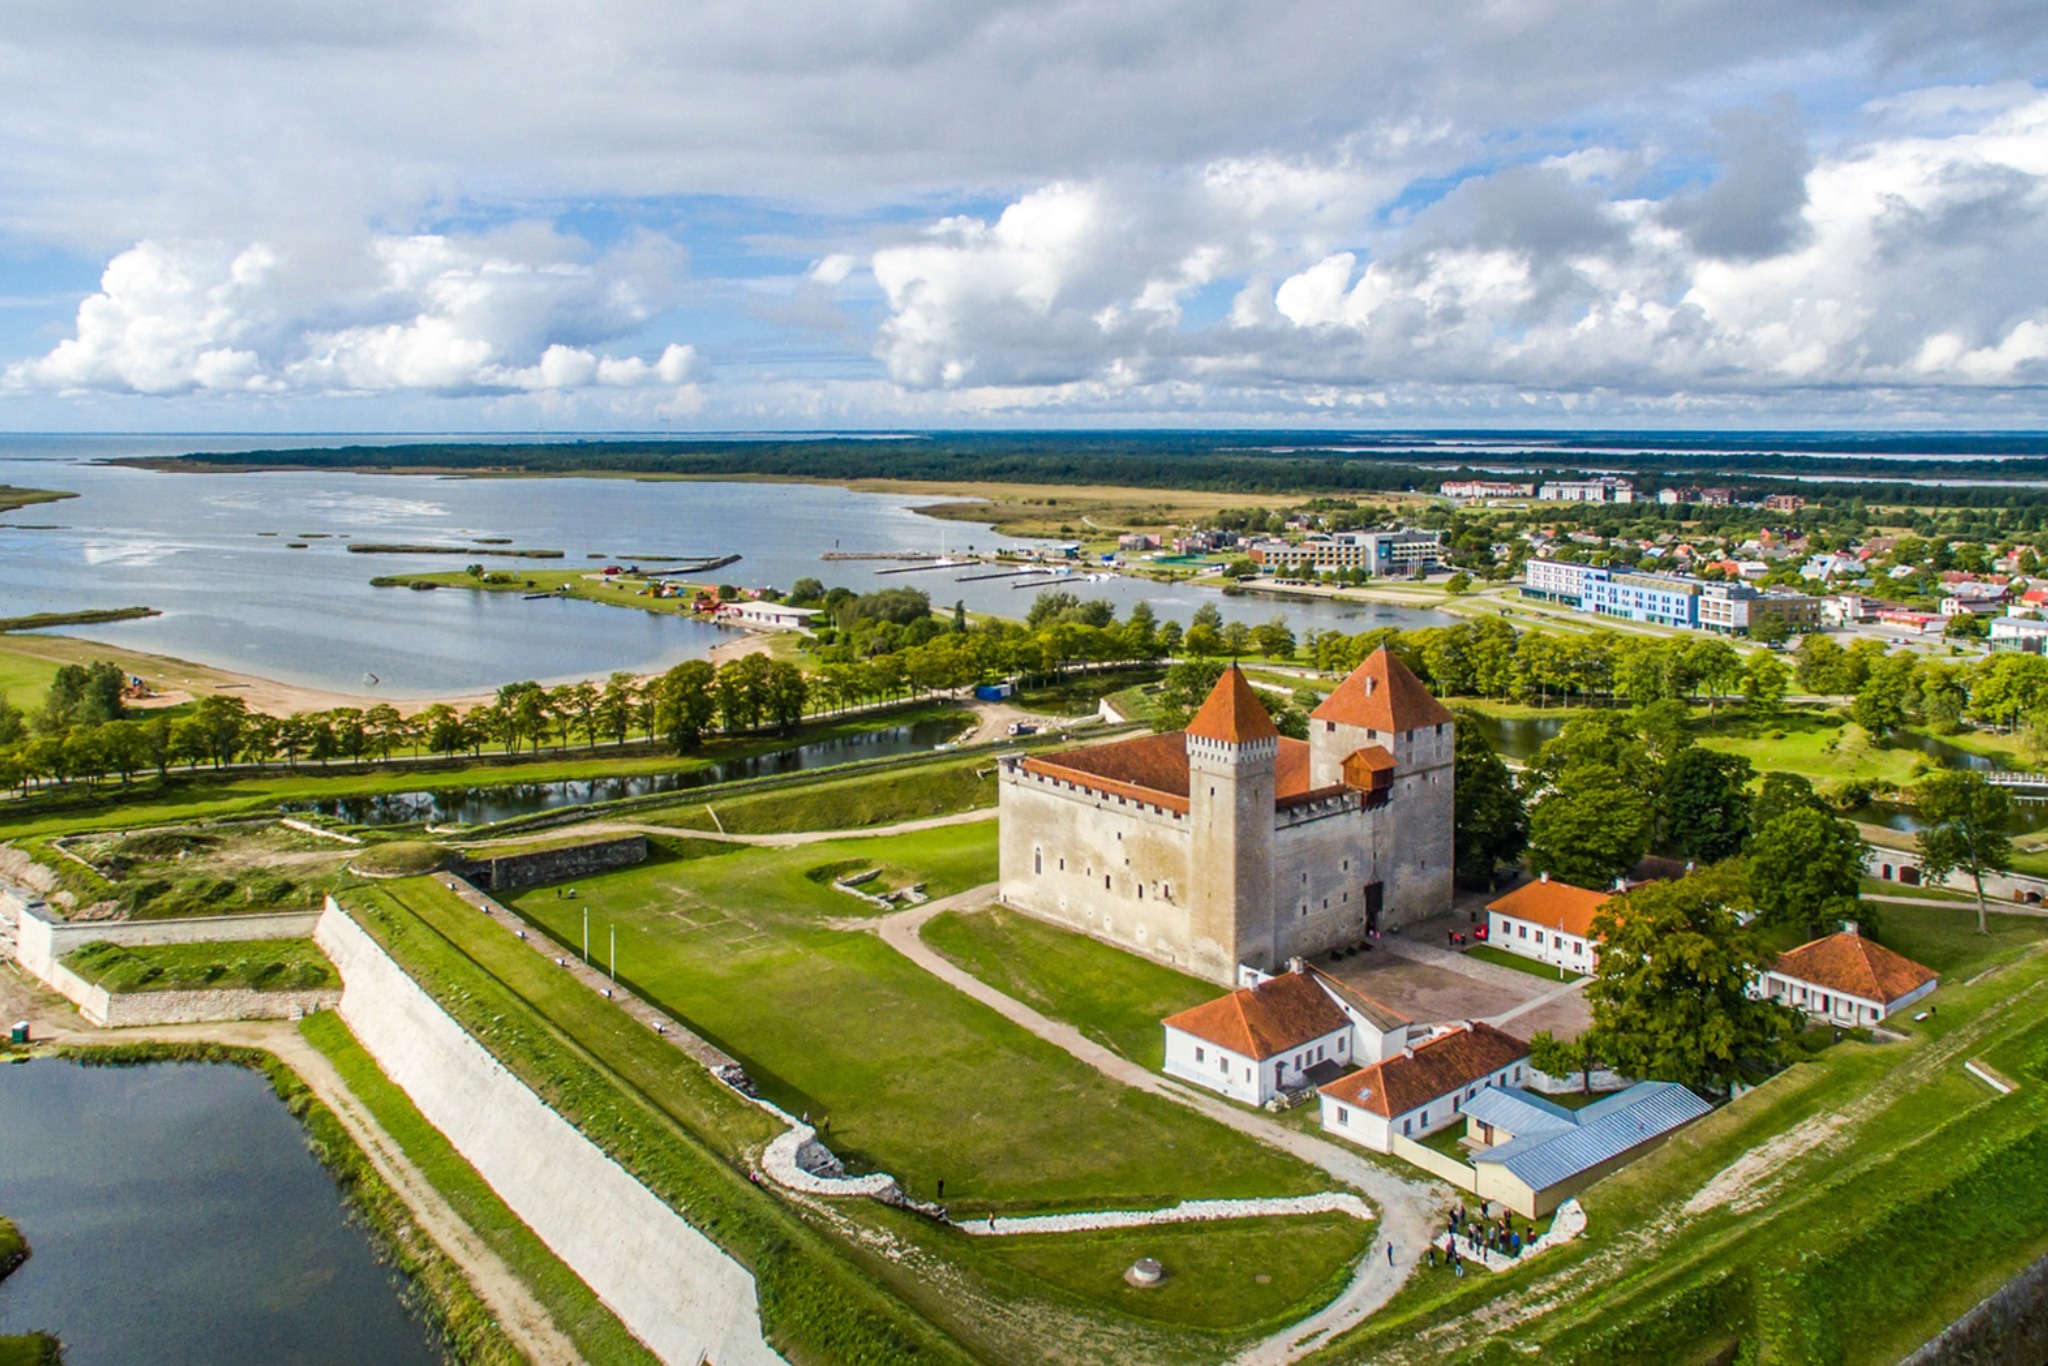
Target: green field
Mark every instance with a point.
(823, 1275)
(257, 964)
(755, 951)
(1822, 746)
(1231, 1275)
(1113, 997)
(1501, 958)
(599, 1336)
(917, 793)
(583, 582)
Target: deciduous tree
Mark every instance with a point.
(1804, 868)
(1963, 829)
(1491, 827)
(1670, 1000)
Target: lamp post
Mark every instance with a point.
(613, 975)
(586, 934)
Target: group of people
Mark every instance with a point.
(1481, 1230)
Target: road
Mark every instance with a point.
(1409, 1210)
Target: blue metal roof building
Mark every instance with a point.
(1541, 1153)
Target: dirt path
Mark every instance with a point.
(1408, 1209)
(525, 1320)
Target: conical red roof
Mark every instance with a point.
(1233, 713)
(1381, 694)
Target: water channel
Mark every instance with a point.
(483, 805)
(177, 1217)
(252, 572)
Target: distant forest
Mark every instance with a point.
(1261, 462)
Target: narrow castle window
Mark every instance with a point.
(1037, 861)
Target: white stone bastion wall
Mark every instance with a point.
(675, 1289)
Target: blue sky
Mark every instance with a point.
(963, 212)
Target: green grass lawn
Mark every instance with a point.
(1487, 953)
(1877, 886)
(907, 794)
(608, 1074)
(1939, 934)
(1809, 741)
(917, 1079)
(261, 964)
(1232, 1276)
(615, 592)
(599, 1336)
(1113, 997)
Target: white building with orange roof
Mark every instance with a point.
(1280, 1033)
(1228, 844)
(1846, 979)
(1549, 921)
(1423, 1088)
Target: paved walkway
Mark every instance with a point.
(1408, 1209)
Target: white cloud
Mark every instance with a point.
(1895, 262)
(514, 310)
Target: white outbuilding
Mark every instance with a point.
(1280, 1034)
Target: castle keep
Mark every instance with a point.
(1228, 843)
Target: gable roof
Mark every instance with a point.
(1554, 905)
(1437, 1068)
(1233, 713)
(1259, 1022)
(1381, 694)
(1519, 1112)
(1599, 1133)
(1154, 768)
(1382, 1017)
(1850, 964)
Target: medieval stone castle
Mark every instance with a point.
(1229, 844)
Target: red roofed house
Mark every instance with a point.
(1424, 1088)
(1846, 980)
(1228, 844)
(1279, 1034)
(1549, 921)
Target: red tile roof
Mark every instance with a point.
(1154, 768)
(1436, 1069)
(1554, 905)
(1233, 712)
(1850, 964)
(1381, 694)
(1260, 1022)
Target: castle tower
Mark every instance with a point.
(1233, 748)
(1383, 704)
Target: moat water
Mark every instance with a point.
(177, 1217)
(214, 553)
(482, 805)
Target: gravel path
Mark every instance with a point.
(1409, 1210)
(1186, 1212)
